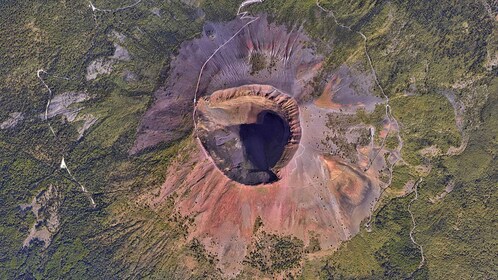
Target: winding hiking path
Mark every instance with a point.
(242, 15)
(63, 162)
(422, 258)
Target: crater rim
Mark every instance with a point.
(227, 116)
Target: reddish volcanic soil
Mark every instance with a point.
(327, 172)
(317, 194)
(300, 203)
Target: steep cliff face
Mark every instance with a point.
(250, 132)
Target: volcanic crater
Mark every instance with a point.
(250, 132)
(265, 150)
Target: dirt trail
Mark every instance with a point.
(244, 4)
(63, 163)
(242, 15)
(50, 95)
(85, 191)
(422, 258)
(95, 9)
(113, 10)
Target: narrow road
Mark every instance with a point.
(242, 15)
(422, 258)
(63, 163)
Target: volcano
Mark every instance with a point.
(270, 137)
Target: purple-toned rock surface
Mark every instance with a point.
(262, 53)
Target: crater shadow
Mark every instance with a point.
(264, 142)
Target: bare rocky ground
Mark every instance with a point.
(45, 207)
(13, 119)
(68, 105)
(62, 104)
(104, 65)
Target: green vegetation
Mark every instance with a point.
(223, 10)
(419, 49)
(314, 245)
(258, 63)
(456, 232)
(63, 38)
(199, 252)
(386, 252)
(401, 175)
(271, 253)
(427, 120)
